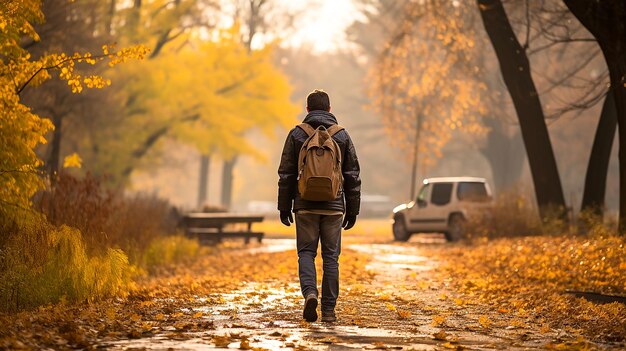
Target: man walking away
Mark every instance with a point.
(319, 176)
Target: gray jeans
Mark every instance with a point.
(310, 230)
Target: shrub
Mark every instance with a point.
(139, 220)
(81, 246)
(80, 203)
(169, 250)
(106, 218)
(41, 264)
(591, 223)
(514, 215)
(510, 215)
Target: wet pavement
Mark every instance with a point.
(404, 306)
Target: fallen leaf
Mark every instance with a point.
(438, 320)
(484, 321)
(440, 335)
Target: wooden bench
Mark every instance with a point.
(209, 228)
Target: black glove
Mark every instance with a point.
(348, 221)
(286, 217)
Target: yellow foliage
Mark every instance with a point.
(208, 95)
(72, 160)
(21, 130)
(429, 76)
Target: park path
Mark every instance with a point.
(397, 302)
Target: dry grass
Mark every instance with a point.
(42, 263)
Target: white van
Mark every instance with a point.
(442, 205)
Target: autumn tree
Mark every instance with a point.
(549, 34)
(258, 18)
(187, 90)
(515, 68)
(607, 23)
(206, 95)
(64, 108)
(547, 29)
(22, 130)
(424, 83)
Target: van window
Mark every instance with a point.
(472, 191)
(423, 194)
(441, 193)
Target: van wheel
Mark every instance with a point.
(456, 228)
(399, 229)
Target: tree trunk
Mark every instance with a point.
(606, 20)
(418, 127)
(203, 184)
(229, 165)
(598, 166)
(134, 19)
(505, 155)
(617, 70)
(55, 147)
(227, 182)
(515, 69)
(108, 25)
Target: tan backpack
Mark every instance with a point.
(319, 164)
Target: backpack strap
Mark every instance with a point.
(334, 129)
(309, 130)
(306, 128)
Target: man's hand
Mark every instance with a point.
(286, 218)
(348, 222)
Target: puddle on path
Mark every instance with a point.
(393, 259)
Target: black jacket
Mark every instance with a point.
(348, 199)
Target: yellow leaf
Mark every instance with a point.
(135, 317)
(452, 346)
(440, 335)
(72, 160)
(221, 341)
(438, 320)
(484, 321)
(403, 314)
(244, 345)
(111, 313)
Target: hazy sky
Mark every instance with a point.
(323, 24)
(318, 23)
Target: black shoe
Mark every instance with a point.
(329, 317)
(310, 308)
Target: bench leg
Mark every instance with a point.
(247, 240)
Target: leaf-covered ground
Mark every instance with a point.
(422, 295)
